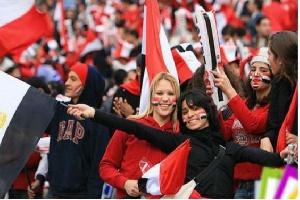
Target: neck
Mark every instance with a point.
(262, 93)
(75, 100)
(161, 120)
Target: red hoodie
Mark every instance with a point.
(124, 154)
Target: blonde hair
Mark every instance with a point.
(150, 107)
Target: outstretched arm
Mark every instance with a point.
(164, 140)
(255, 155)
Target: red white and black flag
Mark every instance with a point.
(25, 113)
(167, 177)
(156, 47)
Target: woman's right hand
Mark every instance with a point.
(81, 111)
(132, 189)
(32, 189)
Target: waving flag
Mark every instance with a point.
(156, 47)
(25, 112)
(21, 24)
(167, 177)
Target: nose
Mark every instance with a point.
(67, 82)
(256, 73)
(190, 113)
(165, 98)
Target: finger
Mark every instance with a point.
(222, 71)
(72, 105)
(215, 73)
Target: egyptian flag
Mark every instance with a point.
(288, 122)
(185, 60)
(156, 48)
(25, 112)
(21, 25)
(167, 177)
(90, 45)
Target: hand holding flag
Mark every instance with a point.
(167, 177)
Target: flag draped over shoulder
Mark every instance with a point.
(167, 177)
(288, 122)
(156, 47)
(25, 112)
(21, 24)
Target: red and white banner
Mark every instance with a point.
(167, 177)
(156, 47)
(21, 24)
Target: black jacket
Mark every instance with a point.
(280, 97)
(205, 147)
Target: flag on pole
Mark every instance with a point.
(288, 122)
(25, 112)
(59, 18)
(21, 24)
(167, 177)
(156, 48)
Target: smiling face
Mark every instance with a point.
(260, 76)
(194, 117)
(163, 99)
(73, 86)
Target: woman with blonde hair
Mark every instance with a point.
(127, 158)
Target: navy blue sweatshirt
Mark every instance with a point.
(76, 147)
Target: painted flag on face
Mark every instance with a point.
(156, 48)
(21, 25)
(167, 177)
(25, 112)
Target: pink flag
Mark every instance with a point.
(156, 47)
(21, 24)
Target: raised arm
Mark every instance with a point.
(164, 140)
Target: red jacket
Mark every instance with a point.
(244, 127)
(124, 154)
(21, 182)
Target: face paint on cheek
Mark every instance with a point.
(174, 102)
(266, 77)
(78, 89)
(202, 115)
(251, 75)
(156, 101)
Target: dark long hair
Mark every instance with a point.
(284, 45)
(198, 97)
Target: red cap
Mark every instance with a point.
(81, 70)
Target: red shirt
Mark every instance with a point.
(125, 153)
(244, 127)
